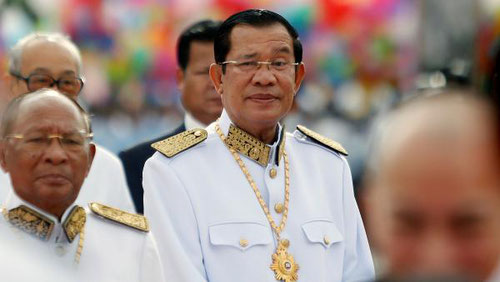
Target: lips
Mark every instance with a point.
(53, 179)
(262, 98)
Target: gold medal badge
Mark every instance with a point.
(284, 266)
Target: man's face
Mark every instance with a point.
(439, 214)
(262, 97)
(48, 58)
(49, 178)
(198, 93)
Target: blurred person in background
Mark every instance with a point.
(52, 60)
(433, 189)
(202, 104)
(46, 149)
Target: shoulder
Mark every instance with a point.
(114, 215)
(181, 142)
(103, 155)
(307, 136)
(144, 149)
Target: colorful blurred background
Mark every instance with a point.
(361, 56)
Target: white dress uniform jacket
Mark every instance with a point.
(111, 251)
(210, 226)
(105, 183)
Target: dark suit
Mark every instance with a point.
(133, 161)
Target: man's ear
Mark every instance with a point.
(179, 77)
(216, 77)
(91, 157)
(3, 163)
(299, 77)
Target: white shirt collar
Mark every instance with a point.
(191, 122)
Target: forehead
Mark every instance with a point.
(200, 52)
(51, 112)
(47, 56)
(247, 39)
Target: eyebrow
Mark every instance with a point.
(45, 70)
(284, 49)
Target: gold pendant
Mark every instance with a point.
(284, 266)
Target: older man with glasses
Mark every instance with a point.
(52, 60)
(46, 148)
(243, 200)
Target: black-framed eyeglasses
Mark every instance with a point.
(67, 84)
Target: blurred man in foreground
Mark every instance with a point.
(433, 198)
(202, 105)
(45, 147)
(51, 60)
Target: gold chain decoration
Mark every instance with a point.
(80, 245)
(284, 266)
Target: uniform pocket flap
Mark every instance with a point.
(322, 231)
(241, 235)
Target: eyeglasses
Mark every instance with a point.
(66, 84)
(252, 66)
(38, 141)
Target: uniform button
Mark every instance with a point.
(326, 240)
(278, 207)
(273, 172)
(243, 243)
(285, 243)
(197, 133)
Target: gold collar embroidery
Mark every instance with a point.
(246, 144)
(39, 225)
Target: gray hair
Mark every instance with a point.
(16, 53)
(11, 112)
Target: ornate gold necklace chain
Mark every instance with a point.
(284, 266)
(256, 190)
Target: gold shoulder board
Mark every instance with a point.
(180, 142)
(136, 221)
(322, 140)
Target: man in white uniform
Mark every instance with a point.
(46, 150)
(243, 200)
(51, 60)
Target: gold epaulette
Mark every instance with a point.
(322, 140)
(136, 221)
(180, 142)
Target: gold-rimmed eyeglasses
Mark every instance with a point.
(253, 66)
(39, 141)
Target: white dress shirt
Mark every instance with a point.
(111, 251)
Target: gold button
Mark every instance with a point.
(326, 240)
(197, 133)
(278, 207)
(243, 243)
(273, 173)
(285, 243)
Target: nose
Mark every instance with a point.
(437, 255)
(55, 153)
(263, 76)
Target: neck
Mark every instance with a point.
(265, 134)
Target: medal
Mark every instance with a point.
(284, 266)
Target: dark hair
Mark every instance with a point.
(253, 17)
(204, 30)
